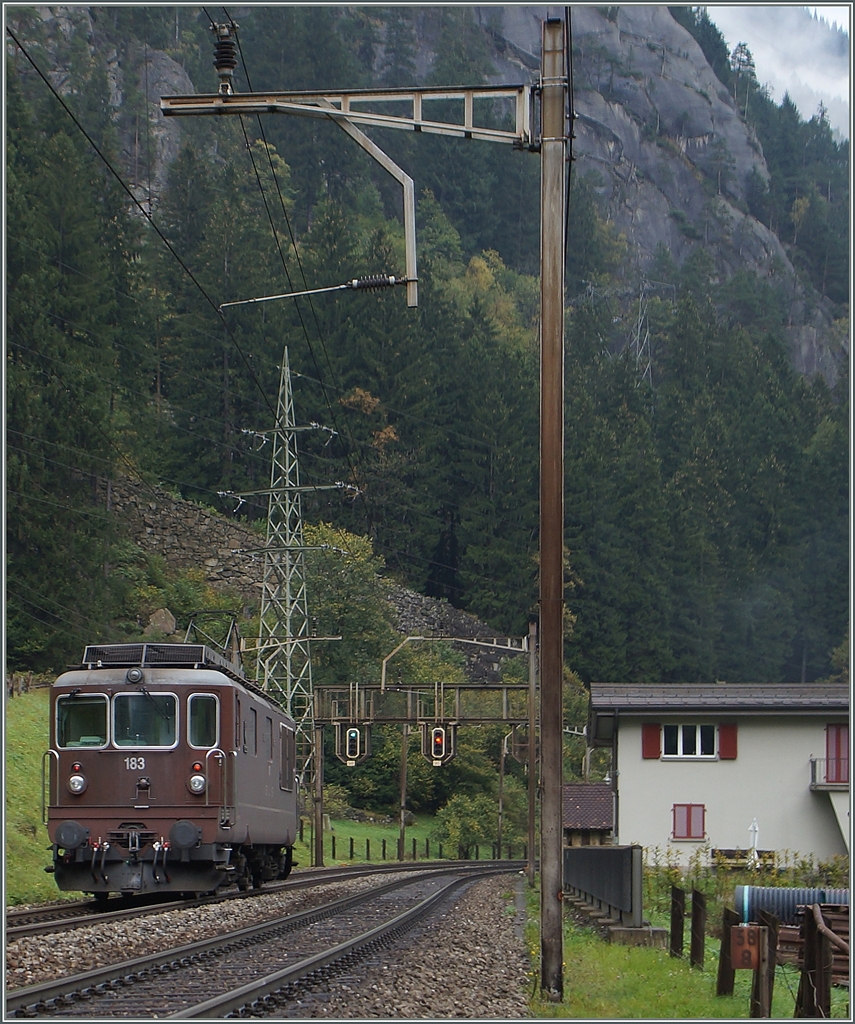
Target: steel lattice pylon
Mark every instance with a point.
(284, 655)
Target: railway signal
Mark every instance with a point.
(438, 742)
(352, 743)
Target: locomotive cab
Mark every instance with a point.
(168, 771)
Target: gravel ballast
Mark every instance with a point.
(468, 960)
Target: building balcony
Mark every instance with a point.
(828, 774)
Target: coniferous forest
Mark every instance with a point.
(707, 499)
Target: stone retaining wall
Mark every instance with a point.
(189, 536)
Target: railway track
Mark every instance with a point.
(56, 917)
(247, 971)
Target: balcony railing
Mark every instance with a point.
(829, 773)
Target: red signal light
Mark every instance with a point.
(438, 741)
(197, 766)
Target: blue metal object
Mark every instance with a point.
(783, 903)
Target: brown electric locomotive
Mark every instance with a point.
(168, 771)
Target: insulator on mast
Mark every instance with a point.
(373, 282)
(225, 55)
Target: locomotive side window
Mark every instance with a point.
(252, 740)
(287, 758)
(203, 720)
(81, 721)
(144, 719)
(267, 739)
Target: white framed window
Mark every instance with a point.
(145, 719)
(689, 740)
(81, 720)
(203, 720)
(689, 821)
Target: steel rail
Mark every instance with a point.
(33, 999)
(255, 992)
(80, 914)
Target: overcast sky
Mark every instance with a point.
(795, 52)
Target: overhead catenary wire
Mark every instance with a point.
(353, 469)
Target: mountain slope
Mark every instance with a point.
(670, 149)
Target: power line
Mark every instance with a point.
(299, 263)
(142, 210)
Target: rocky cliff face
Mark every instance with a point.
(188, 536)
(672, 153)
(652, 122)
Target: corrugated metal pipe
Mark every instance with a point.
(783, 903)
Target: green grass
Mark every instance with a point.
(27, 843)
(604, 981)
(345, 829)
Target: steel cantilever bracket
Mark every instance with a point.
(339, 107)
(388, 164)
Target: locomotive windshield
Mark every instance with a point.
(81, 721)
(144, 719)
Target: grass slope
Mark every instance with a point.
(27, 844)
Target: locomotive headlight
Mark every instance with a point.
(196, 783)
(76, 784)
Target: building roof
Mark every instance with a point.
(588, 805)
(755, 698)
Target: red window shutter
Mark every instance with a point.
(727, 741)
(650, 745)
(837, 753)
(689, 821)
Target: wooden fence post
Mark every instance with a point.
(678, 913)
(761, 989)
(768, 979)
(726, 973)
(814, 995)
(699, 927)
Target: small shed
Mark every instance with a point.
(589, 814)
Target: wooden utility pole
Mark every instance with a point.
(402, 808)
(532, 747)
(553, 100)
(318, 797)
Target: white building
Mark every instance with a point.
(727, 766)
